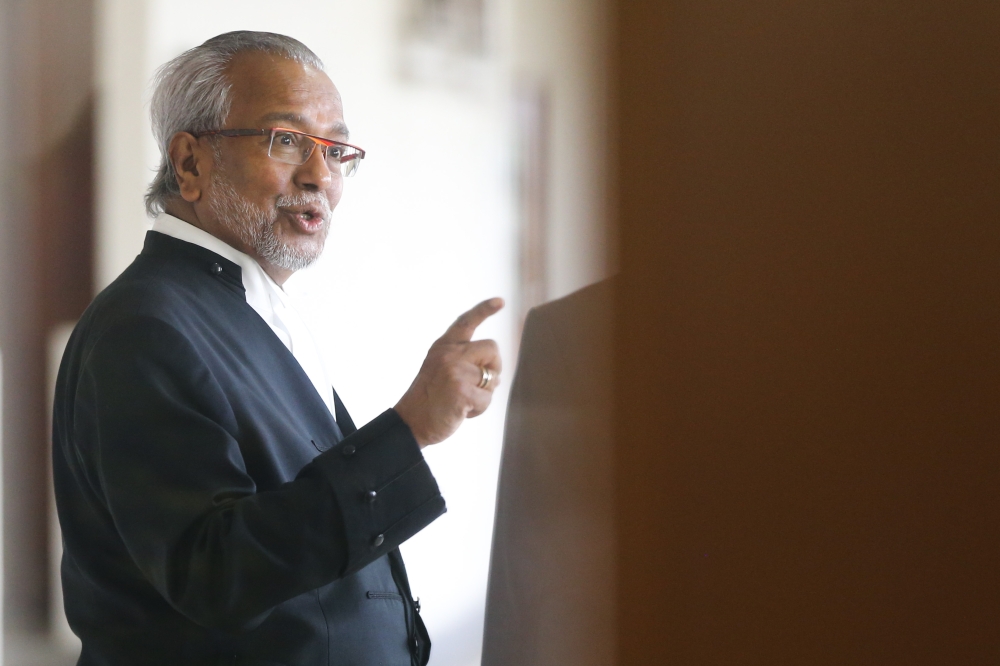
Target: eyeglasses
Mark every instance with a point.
(293, 147)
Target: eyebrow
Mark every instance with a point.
(337, 129)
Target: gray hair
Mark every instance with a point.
(191, 93)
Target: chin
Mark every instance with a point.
(295, 255)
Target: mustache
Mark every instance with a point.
(314, 199)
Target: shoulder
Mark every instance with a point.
(587, 305)
(566, 348)
(583, 317)
(130, 319)
(180, 291)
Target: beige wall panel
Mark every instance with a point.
(563, 46)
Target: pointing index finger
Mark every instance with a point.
(467, 323)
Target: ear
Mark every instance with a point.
(193, 162)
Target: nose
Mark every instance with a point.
(314, 174)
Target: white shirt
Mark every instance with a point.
(266, 298)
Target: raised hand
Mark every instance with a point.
(449, 387)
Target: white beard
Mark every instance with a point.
(254, 225)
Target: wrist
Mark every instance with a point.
(403, 413)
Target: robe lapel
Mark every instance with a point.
(347, 426)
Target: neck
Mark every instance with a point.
(183, 210)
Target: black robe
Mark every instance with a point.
(213, 512)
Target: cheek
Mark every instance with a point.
(258, 181)
(335, 191)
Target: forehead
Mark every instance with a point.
(269, 90)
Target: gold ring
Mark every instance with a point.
(486, 379)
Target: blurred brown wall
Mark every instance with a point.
(46, 259)
(808, 364)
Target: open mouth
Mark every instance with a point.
(309, 217)
(311, 214)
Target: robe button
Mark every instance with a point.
(371, 496)
(216, 269)
(348, 450)
(379, 540)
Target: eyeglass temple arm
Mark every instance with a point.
(240, 132)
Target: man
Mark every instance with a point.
(218, 505)
(551, 595)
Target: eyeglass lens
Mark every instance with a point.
(294, 148)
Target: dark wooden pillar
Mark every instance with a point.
(808, 331)
(46, 261)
